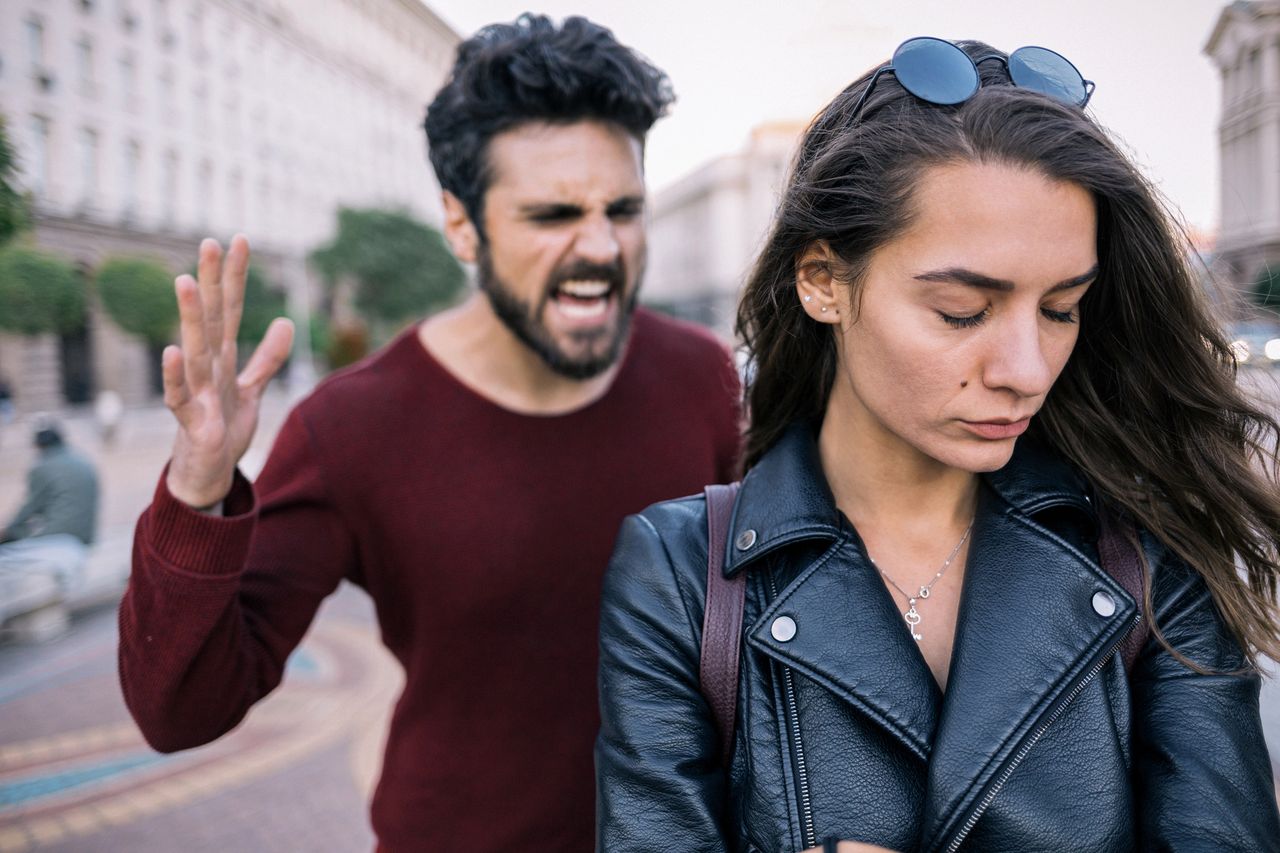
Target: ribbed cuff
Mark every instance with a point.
(190, 541)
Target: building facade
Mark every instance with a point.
(707, 228)
(1245, 46)
(143, 125)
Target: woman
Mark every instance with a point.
(976, 341)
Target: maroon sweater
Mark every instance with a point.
(481, 535)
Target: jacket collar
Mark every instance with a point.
(785, 497)
(1026, 603)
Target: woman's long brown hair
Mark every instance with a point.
(1147, 406)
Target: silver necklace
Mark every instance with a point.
(912, 615)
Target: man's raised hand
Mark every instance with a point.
(217, 410)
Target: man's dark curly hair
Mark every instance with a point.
(530, 70)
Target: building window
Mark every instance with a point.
(128, 79)
(35, 43)
(84, 64)
(169, 187)
(39, 162)
(130, 175)
(204, 195)
(164, 81)
(88, 156)
(195, 35)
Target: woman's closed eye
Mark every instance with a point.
(968, 321)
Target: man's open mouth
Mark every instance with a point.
(583, 299)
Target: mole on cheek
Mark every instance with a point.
(964, 384)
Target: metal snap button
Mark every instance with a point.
(1103, 603)
(783, 629)
(746, 539)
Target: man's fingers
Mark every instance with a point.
(234, 270)
(209, 272)
(195, 345)
(269, 355)
(176, 393)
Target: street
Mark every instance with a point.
(75, 775)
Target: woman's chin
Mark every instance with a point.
(977, 457)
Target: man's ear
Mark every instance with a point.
(459, 230)
(816, 284)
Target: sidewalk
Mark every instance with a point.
(76, 776)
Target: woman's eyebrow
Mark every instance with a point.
(960, 275)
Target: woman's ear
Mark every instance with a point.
(459, 230)
(816, 284)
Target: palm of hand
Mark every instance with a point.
(217, 411)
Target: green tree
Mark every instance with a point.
(401, 267)
(39, 292)
(138, 294)
(13, 206)
(1266, 290)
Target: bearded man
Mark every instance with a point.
(471, 476)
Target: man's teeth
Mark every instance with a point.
(582, 310)
(585, 289)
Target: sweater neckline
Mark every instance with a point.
(411, 339)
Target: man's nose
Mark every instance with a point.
(597, 241)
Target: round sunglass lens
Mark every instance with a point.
(935, 70)
(1052, 74)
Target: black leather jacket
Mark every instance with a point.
(1042, 741)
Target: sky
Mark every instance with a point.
(738, 63)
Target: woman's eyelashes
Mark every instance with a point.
(971, 320)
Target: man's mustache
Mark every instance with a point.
(613, 274)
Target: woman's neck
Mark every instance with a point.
(883, 483)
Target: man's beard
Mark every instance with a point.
(524, 320)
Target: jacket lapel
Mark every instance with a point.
(849, 635)
(851, 639)
(1026, 635)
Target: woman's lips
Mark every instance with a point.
(995, 430)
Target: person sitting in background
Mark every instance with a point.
(55, 525)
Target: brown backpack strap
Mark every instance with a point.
(1120, 559)
(722, 620)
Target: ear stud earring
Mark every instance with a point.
(808, 298)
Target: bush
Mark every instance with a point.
(39, 292)
(401, 267)
(138, 295)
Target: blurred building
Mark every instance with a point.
(143, 125)
(1245, 46)
(706, 229)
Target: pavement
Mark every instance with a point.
(76, 776)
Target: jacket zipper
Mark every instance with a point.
(809, 837)
(1031, 741)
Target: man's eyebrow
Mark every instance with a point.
(627, 202)
(551, 209)
(960, 275)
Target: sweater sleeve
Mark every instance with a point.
(215, 605)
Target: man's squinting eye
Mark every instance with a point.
(626, 209)
(555, 214)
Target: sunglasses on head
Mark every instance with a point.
(939, 72)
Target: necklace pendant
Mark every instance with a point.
(912, 617)
(924, 592)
